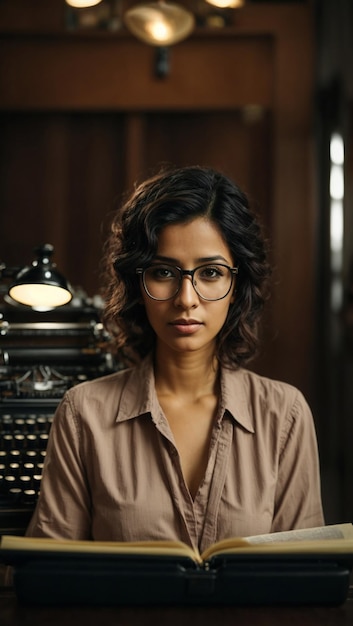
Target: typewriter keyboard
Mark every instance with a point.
(42, 355)
(23, 443)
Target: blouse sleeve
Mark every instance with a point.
(63, 507)
(298, 493)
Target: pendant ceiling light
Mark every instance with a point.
(227, 4)
(159, 23)
(82, 4)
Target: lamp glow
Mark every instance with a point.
(159, 31)
(82, 4)
(159, 23)
(40, 297)
(40, 285)
(227, 4)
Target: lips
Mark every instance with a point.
(186, 326)
(182, 320)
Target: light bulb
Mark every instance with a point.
(227, 4)
(159, 23)
(82, 4)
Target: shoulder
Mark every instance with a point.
(117, 396)
(262, 399)
(271, 390)
(261, 388)
(102, 396)
(100, 386)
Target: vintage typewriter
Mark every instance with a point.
(41, 356)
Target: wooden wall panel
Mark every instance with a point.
(60, 174)
(80, 73)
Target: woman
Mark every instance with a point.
(186, 444)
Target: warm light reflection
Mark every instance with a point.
(336, 182)
(227, 4)
(337, 149)
(336, 219)
(336, 225)
(82, 4)
(40, 297)
(159, 23)
(159, 30)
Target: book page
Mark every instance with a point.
(152, 548)
(326, 539)
(327, 547)
(335, 531)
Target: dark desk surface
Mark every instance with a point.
(11, 614)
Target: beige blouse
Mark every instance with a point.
(113, 472)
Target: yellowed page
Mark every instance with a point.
(327, 539)
(334, 531)
(328, 546)
(225, 545)
(316, 539)
(157, 548)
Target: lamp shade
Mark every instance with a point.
(159, 23)
(82, 4)
(40, 285)
(227, 4)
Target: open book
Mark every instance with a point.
(334, 539)
(310, 566)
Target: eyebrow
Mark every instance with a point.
(206, 259)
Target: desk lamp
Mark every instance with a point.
(39, 286)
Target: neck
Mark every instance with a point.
(192, 374)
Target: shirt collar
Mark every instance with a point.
(235, 397)
(139, 396)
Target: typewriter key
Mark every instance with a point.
(29, 496)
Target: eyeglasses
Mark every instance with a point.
(211, 282)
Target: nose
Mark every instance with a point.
(186, 297)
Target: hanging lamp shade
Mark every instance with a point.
(159, 23)
(82, 4)
(40, 285)
(227, 4)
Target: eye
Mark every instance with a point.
(162, 272)
(211, 272)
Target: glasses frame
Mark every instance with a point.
(140, 271)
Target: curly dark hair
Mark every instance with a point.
(175, 196)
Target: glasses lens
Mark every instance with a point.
(212, 282)
(162, 281)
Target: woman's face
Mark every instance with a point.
(186, 322)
